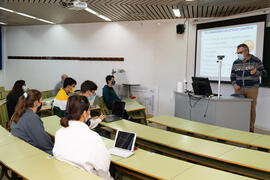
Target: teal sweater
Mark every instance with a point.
(109, 96)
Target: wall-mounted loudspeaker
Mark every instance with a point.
(180, 28)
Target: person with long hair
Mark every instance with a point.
(27, 125)
(13, 96)
(76, 144)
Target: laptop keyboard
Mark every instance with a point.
(120, 152)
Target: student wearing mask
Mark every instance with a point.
(79, 146)
(60, 101)
(88, 89)
(12, 98)
(27, 125)
(109, 95)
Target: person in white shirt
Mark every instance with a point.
(76, 144)
(88, 89)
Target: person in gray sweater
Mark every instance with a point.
(27, 125)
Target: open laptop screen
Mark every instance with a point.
(125, 140)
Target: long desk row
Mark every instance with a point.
(227, 157)
(216, 132)
(152, 165)
(32, 163)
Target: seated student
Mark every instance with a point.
(27, 125)
(88, 89)
(60, 101)
(79, 146)
(13, 96)
(108, 93)
(60, 84)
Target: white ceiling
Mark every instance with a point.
(123, 10)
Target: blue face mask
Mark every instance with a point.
(25, 88)
(241, 57)
(91, 97)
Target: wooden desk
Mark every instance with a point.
(197, 150)
(216, 132)
(202, 172)
(133, 105)
(40, 167)
(162, 167)
(48, 106)
(32, 163)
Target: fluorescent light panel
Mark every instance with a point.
(98, 15)
(177, 12)
(2, 23)
(26, 15)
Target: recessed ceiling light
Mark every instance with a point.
(177, 12)
(26, 15)
(91, 11)
(95, 13)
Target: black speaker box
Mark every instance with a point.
(180, 28)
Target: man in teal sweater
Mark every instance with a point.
(109, 94)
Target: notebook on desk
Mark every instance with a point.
(124, 144)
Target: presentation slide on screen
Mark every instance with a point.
(223, 41)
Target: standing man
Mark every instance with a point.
(245, 78)
(60, 84)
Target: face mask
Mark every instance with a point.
(241, 57)
(113, 82)
(90, 98)
(25, 88)
(72, 90)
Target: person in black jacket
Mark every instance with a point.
(13, 96)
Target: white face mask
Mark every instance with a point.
(241, 57)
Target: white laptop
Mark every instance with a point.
(124, 144)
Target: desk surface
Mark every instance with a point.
(133, 105)
(48, 105)
(202, 172)
(215, 98)
(172, 140)
(227, 134)
(196, 146)
(32, 163)
(40, 167)
(162, 167)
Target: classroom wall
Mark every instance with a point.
(154, 54)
